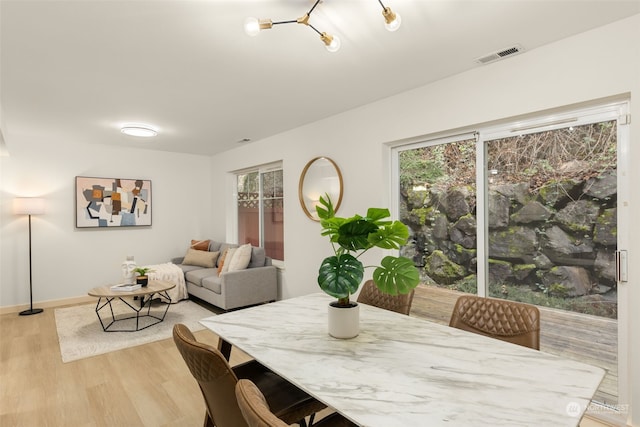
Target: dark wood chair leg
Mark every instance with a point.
(224, 348)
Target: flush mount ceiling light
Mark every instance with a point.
(253, 26)
(144, 131)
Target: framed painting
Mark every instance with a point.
(112, 202)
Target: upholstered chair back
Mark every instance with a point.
(370, 294)
(509, 321)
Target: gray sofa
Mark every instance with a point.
(256, 284)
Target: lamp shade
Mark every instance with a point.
(28, 206)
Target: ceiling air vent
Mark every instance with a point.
(503, 53)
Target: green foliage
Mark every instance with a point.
(554, 289)
(468, 284)
(417, 168)
(396, 275)
(557, 289)
(553, 299)
(554, 296)
(340, 275)
(541, 157)
(442, 165)
(142, 271)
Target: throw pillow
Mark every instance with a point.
(200, 245)
(241, 258)
(224, 247)
(227, 260)
(221, 261)
(199, 258)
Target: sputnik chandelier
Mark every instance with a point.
(252, 26)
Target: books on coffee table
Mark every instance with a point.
(123, 287)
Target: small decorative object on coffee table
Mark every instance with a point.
(142, 278)
(128, 275)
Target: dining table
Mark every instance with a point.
(406, 371)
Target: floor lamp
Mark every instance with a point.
(29, 206)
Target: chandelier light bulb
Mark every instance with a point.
(332, 43)
(392, 19)
(251, 26)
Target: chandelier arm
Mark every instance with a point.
(314, 29)
(293, 21)
(383, 6)
(314, 6)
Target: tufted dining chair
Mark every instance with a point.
(505, 320)
(217, 381)
(257, 413)
(370, 294)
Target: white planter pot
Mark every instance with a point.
(344, 322)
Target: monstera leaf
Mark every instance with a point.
(353, 235)
(340, 276)
(396, 275)
(390, 237)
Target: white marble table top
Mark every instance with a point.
(404, 371)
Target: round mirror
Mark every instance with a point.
(319, 177)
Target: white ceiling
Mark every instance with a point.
(74, 71)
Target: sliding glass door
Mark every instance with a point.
(552, 235)
(538, 222)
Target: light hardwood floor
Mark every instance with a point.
(148, 385)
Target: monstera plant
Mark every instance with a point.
(340, 275)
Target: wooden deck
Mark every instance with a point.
(589, 339)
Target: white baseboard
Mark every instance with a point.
(47, 304)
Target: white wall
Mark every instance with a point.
(67, 262)
(598, 64)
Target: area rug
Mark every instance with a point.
(80, 333)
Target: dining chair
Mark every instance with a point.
(370, 294)
(217, 381)
(257, 413)
(505, 320)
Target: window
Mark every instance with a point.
(437, 203)
(260, 209)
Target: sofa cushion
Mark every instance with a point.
(200, 245)
(186, 268)
(201, 258)
(215, 246)
(240, 259)
(213, 283)
(196, 276)
(223, 249)
(258, 257)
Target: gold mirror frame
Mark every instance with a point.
(315, 181)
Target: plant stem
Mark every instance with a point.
(343, 301)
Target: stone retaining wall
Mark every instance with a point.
(560, 239)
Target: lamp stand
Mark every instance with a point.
(31, 310)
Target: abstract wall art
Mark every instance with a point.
(112, 202)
